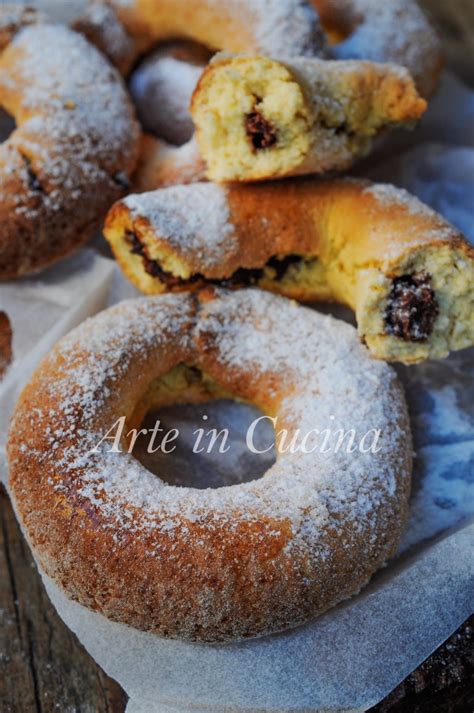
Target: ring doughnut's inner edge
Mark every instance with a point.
(172, 396)
(7, 125)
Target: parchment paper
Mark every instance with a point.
(354, 655)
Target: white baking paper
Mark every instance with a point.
(355, 654)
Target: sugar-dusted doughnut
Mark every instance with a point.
(396, 32)
(404, 270)
(271, 27)
(74, 146)
(162, 86)
(260, 118)
(225, 563)
(384, 31)
(99, 23)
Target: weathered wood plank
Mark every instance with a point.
(43, 667)
(444, 683)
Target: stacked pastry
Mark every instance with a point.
(230, 202)
(404, 270)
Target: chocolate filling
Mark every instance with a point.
(245, 276)
(152, 267)
(412, 307)
(242, 277)
(259, 130)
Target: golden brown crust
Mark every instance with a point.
(392, 32)
(364, 224)
(100, 25)
(236, 26)
(320, 115)
(323, 115)
(217, 564)
(359, 237)
(73, 150)
(396, 31)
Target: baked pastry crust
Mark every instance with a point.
(74, 148)
(266, 26)
(260, 118)
(404, 270)
(395, 31)
(215, 564)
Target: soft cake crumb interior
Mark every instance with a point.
(452, 278)
(265, 87)
(451, 275)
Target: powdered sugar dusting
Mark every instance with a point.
(388, 195)
(100, 24)
(162, 87)
(395, 31)
(289, 28)
(330, 382)
(76, 125)
(196, 219)
(277, 27)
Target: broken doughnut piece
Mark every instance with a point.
(260, 118)
(404, 270)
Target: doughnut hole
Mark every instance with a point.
(207, 432)
(337, 26)
(7, 125)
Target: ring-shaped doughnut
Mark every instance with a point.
(405, 271)
(384, 32)
(225, 563)
(74, 147)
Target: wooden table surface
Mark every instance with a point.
(44, 668)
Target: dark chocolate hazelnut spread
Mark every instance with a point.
(412, 307)
(259, 130)
(153, 268)
(240, 278)
(136, 247)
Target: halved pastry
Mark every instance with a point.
(404, 270)
(260, 118)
